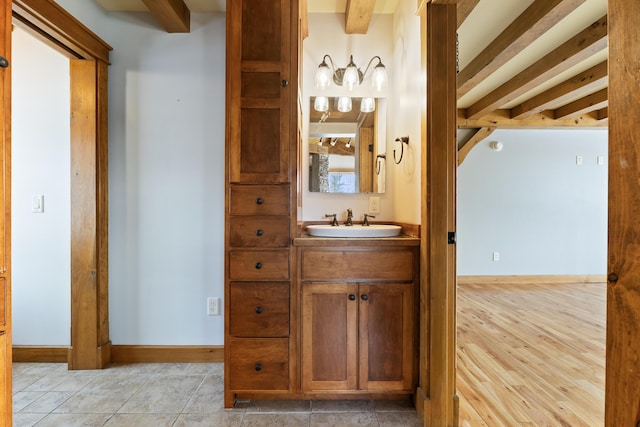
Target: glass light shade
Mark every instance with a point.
(323, 76)
(379, 77)
(344, 104)
(367, 105)
(351, 77)
(321, 103)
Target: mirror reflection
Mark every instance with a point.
(347, 148)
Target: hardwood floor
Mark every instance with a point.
(531, 355)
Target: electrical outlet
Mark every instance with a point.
(578, 160)
(600, 160)
(495, 256)
(374, 205)
(213, 306)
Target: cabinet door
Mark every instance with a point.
(259, 90)
(386, 337)
(329, 340)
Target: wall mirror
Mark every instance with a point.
(347, 148)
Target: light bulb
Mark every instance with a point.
(351, 76)
(321, 103)
(344, 104)
(367, 105)
(379, 77)
(323, 76)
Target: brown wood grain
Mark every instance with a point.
(259, 309)
(358, 15)
(259, 231)
(503, 119)
(259, 364)
(173, 15)
(622, 404)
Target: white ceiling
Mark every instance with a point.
(315, 6)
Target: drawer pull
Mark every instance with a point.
(352, 297)
(259, 232)
(284, 83)
(258, 367)
(258, 265)
(364, 297)
(259, 310)
(259, 201)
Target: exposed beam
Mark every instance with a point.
(464, 9)
(603, 114)
(586, 81)
(526, 28)
(358, 14)
(588, 42)
(472, 141)
(595, 101)
(546, 119)
(173, 15)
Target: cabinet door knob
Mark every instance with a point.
(352, 297)
(364, 297)
(259, 232)
(259, 201)
(259, 310)
(284, 83)
(4, 63)
(258, 367)
(258, 265)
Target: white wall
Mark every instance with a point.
(531, 202)
(41, 165)
(326, 36)
(166, 178)
(405, 114)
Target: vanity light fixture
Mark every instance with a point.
(350, 76)
(333, 142)
(348, 144)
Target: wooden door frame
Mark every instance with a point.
(89, 59)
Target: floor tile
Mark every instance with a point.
(74, 420)
(398, 419)
(344, 419)
(393, 406)
(168, 394)
(92, 403)
(22, 399)
(48, 402)
(26, 420)
(141, 420)
(220, 419)
(275, 420)
(263, 406)
(342, 406)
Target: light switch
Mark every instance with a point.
(37, 203)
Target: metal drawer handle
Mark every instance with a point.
(259, 232)
(259, 201)
(352, 297)
(258, 265)
(364, 297)
(258, 367)
(259, 310)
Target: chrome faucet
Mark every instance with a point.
(365, 221)
(334, 221)
(349, 221)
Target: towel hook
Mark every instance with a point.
(403, 140)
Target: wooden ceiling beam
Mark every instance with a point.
(585, 82)
(588, 42)
(545, 119)
(473, 140)
(173, 15)
(464, 9)
(595, 101)
(525, 29)
(304, 19)
(358, 15)
(602, 114)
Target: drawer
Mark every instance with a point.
(259, 200)
(344, 264)
(259, 265)
(263, 231)
(259, 364)
(3, 301)
(259, 309)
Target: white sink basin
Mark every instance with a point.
(376, 230)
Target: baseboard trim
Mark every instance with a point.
(33, 354)
(547, 279)
(166, 354)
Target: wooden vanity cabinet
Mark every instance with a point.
(261, 154)
(359, 334)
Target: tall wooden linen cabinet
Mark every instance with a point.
(261, 194)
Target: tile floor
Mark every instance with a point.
(174, 394)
